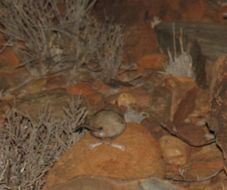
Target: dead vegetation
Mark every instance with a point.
(180, 64)
(28, 148)
(51, 36)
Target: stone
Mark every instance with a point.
(160, 106)
(141, 158)
(34, 103)
(103, 183)
(96, 183)
(201, 110)
(157, 184)
(174, 151)
(8, 60)
(55, 82)
(195, 135)
(80, 89)
(153, 62)
(126, 100)
(85, 90)
(134, 98)
(179, 87)
(33, 87)
(205, 162)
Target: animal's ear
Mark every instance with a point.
(145, 114)
(98, 129)
(82, 128)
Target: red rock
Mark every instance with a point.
(154, 62)
(179, 87)
(83, 89)
(126, 100)
(55, 82)
(202, 108)
(80, 89)
(129, 76)
(34, 87)
(174, 151)
(101, 87)
(195, 11)
(96, 183)
(141, 158)
(205, 162)
(134, 98)
(143, 98)
(141, 40)
(222, 13)
(9, 59)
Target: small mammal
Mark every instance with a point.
(107, 124)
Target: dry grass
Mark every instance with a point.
(180, 63)
(48, 39)
(28, 148)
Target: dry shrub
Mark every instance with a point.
(180, 63)
(28, 148)
(49, 39)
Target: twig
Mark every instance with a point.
(198, 179)
(5, 45)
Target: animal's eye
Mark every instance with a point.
(100, 128)
(145, 114)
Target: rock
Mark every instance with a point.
(218, 92)
(125, 99)
(167, 98)
(13, 81)
(218, 183)
(103, 183)
(190, 117)
(81, 89)
(130, 75)
(195, 135)
(160, 106)
(179, 87)
(32, 104)
(132, 98)
(102, 87)
(174, 151)
(199, 115)
(143, 98)
(56, 82)
(205, 162)
(8, 60)
(133, 116)
(141, 40)
(141, 158)
(96, 183)
(157, 184)
(153, 62)
(185, 107)
(33, 87)
(87, 91)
